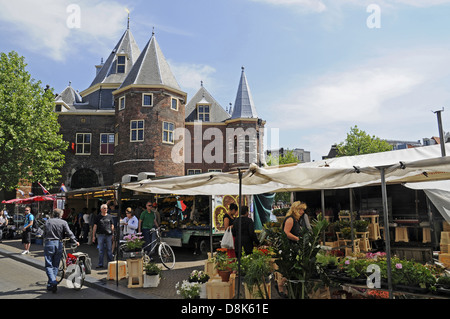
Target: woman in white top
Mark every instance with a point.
(130, 222)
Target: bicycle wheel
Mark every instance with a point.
(61, 269)
(166, 255)
(78, 276)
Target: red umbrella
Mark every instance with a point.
(29, 200)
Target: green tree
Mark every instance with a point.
(287, 158)
(359, 142)
(30, 146)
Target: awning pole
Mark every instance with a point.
(239, 235)
(351, 219)
(386, 230)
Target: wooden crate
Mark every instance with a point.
(210, 268)
(426, 235)
(401, 234)
(217, 289)
(445, 259)
(445, 237)
(445, 248)
(122, 271)
(446, 226)
(254, 294)
(135, 273)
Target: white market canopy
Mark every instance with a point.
(400, 166)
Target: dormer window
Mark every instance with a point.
(121, 59)
(203, 113)
(147, 99)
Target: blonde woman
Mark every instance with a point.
(295, 219)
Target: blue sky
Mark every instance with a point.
(315, 67)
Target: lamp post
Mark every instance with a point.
(441, 131)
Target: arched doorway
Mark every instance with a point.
(84, 178)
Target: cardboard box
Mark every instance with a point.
(445, 259)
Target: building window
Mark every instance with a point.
(174, 104)
(214, 170)
(121, 103)
(137, 131)
(168, 129)
(121, 64)
(203, 113)
(83, 143)
(107, 144)
(147, 99)
(194, 171)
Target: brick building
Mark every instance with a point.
(134, 118)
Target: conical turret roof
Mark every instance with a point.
(244, 106)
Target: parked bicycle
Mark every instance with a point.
(73, 265)
(165, 252)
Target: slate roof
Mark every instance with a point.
(69, 96)
(216, 114)
(126, 45)
(244, 106)
(151, 68)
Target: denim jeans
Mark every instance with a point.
(102, 241)
(149, 236)
(52, 256)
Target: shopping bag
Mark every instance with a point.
(227, 239)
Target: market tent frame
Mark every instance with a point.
(413, 165)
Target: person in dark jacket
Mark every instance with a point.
(248, 236)
(295, 219)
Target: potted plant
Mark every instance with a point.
(188, 290)
(133, 246)
(201, 278)
(224, 264)
(361, 226)
(152, 275)
(297, 262)
(256, 269)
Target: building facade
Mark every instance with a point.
(135, 118)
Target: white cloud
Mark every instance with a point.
(47, 27)
(304, 5)
(189, 76)
(391, 97)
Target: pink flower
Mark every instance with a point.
(399, 266)
(347, 262)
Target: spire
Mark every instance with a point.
(151, 68)
(244, 106)
(126, 46)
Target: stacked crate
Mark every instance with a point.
(444, 255)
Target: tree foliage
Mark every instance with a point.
(359, 142)
(30, 146)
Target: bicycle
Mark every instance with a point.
(165, 252)
(77, 268)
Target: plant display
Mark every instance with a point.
(256, 269)
(188, 290)
(222, 261)
(198, 276)
(298, 261)
(361, 226)
(151, 269)
(133, 242)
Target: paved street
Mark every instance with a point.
(21, 281)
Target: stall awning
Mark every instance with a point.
(401, 166)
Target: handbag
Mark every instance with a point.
(227, 240)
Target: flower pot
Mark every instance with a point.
(151, 281)
(224, 274)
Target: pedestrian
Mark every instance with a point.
(3, 223)
(55, 230)
(228, 220)
(103, 228)
(244, 226)
(130, 222)
(26, 231)
(85, 225)
(91, 225)
(295, 219)
(147, 223)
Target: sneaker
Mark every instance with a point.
(25, 252)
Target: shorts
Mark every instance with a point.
(26, 237)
